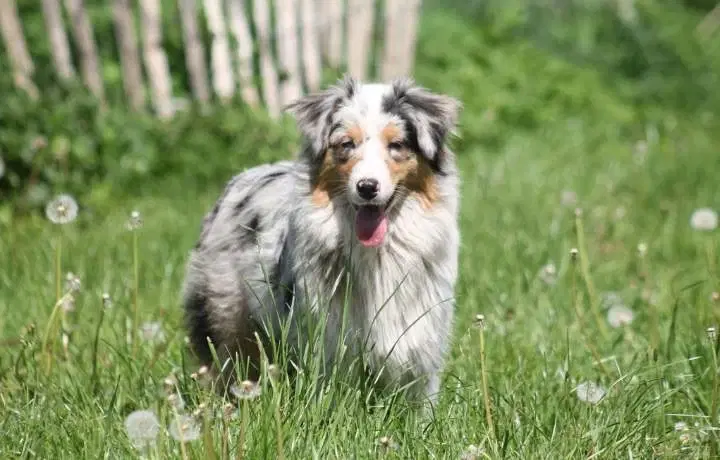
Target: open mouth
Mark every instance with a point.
(371, 225)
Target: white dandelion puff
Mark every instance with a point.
(619, 315)
(704, 220)
(590, 392)
(681, 426)
(72, 282)
(568, 198)
(184, 428)
(387, 443)
(642, 249)
(106, 300)
(176, 402)
(548, 274)
(152, 332)
(67, 303)
(63, 209)
(472, 452)
(135, 221)
(246, 390)
(142, 427)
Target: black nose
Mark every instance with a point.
(368, 188)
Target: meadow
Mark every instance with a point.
(586, 306)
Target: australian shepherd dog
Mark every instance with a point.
(361, 230)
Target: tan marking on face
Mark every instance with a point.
(356, 134)
(391, 133)
(331, 180)
(416, 176)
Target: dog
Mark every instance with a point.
(360, 228)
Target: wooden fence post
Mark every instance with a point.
(222, 74)
(288, 49)
(155, 59)
(194, 51)
(359, 32)
(83, 35)
(12, 33)
(240, 28)
(129, 54)
(310, 46)
(261, 14)
(59, 46)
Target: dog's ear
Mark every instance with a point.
(430, 117)
(313, 112)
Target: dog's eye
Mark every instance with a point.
(395, 146)
(348, 145)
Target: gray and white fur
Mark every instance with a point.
(272, 249)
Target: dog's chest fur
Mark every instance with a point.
(398, 298)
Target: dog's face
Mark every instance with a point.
(371, 145)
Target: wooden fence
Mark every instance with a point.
(293, 45)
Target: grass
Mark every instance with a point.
(542, 336)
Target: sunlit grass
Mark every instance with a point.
(557, 387)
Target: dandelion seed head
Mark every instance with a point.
(681, 426)
(135, 221)
(548, 274)
(590, 392)
(67, 303)
(642, 249)
(72, 282)
(704, 220)
(246, 390)
(387, 443)
(184, 428)
(273, 371)
(176, 402)
(568, 198)
(106, 300)
(619, 315)
(472, 452)
(63, 209)
(574, 253)
(152, 332)
(142, 427)
(711, 333)
(479, 321)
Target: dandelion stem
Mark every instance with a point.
(714, 404)
(136, 283)
(207, 437)
(58, 268)
(278, 428)
(47, 343)
(576, 299)
(94, 378)
(486, 393)
(585, 270)
(243, 427)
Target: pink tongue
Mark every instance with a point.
(370, 226)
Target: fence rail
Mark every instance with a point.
(292, 38)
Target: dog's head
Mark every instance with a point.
(375, 144)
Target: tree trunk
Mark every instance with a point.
(83, 35)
